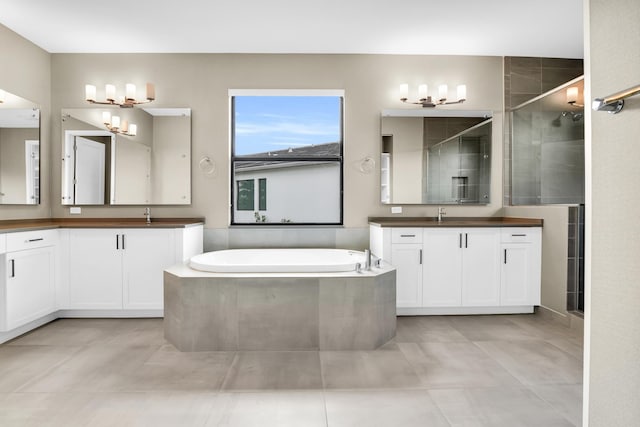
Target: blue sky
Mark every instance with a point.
(269, 123)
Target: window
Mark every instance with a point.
(292, 140)
(262, 189)
(245, 195)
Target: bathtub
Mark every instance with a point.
(278, 261)
(279, 299)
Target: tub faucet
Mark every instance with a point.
(367, 259)
(147, 214)
(441, 213)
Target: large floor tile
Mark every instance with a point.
(419, 329)
(406, 408)
(169, 369)
(99, 368)
(379, 369)
(496, 407)
(491, 328)
(21, 364)
(45, 409)
(76, 332)
(457, 364)
(566, 399)
(281, 409)
(572, 346)
(274, 370)
(535, 362)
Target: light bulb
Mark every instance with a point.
(422, 92)
(462, 92)
(130, 92)
(404, 91)
(115, 122)
(442, 92)
(110, 91)
(90, 92)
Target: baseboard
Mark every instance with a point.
(437, 311)
(109, 313)
(567, 320)
(20, 330)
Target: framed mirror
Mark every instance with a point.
(19, 151)
(435, 157)
(134, 156)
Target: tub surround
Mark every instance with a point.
(279, 311)
(455, 222)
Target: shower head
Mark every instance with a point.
(574, 116)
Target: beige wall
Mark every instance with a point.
(613, 288)
(25, 70)
(201, 82)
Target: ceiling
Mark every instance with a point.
(546, 28)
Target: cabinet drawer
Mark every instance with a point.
(406, 235)
(3, 243)
(519, 235)
(31, 239)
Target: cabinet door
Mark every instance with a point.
(29, 290)
(146, 254)
(442, 268)
(407, 259)
(516, 274)
(481, 267)
(95, 269)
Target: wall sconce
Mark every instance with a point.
(572, 97)
(114, 125)
(427, 101)
(127, 101)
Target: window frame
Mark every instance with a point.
(233, 93)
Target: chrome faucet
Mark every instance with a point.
(367, 259)
(441, 213)
(147, 214)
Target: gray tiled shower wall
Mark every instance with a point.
(575, 261)
(524, 79)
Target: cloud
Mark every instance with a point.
(287, 128)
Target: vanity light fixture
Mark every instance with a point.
(572, 97)
(126, 101)
(114, 125)
(426, 101)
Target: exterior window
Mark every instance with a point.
(293, 140)
(245, 195)
(262, 194)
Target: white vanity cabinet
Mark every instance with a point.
(407, 257)
(28, 277)
(520, 266)
(122, 269)
(461, 267)
(462, 270)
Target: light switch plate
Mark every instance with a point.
(396, 209)
(75, 210)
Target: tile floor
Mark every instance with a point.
(511, 370)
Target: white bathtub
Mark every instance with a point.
(277, 261)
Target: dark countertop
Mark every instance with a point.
(43, 224)
(455, 222)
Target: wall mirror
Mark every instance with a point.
(148, 166)
(435, 157)
(19, 151)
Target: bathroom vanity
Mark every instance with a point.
(461, 265)
(88, 268)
